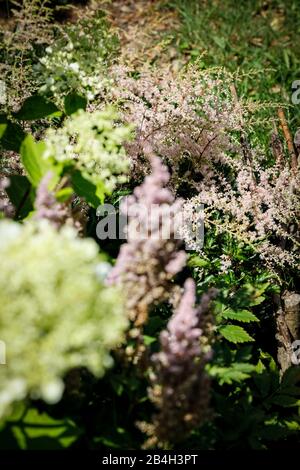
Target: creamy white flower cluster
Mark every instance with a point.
(92, 142)
(77, 60)
(56, 313)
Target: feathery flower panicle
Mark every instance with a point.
(184, 119)
(180, 386)
(77, 60)
(92, 142)
(260, 209)
(47, 207)
(56, 313)
(151, 257)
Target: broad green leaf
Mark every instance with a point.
(40, 431)
(12, 137)
(235, 334)
(31, 155)
(64, 194)
(101, 191)
(2, 129)
(19, 191)
(244, 316)
(36, 107)
(86, 189)
(73, 102)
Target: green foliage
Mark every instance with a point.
(2, 129)
(93, 194)
(19, 192)
(11, 135)
(242, 315)
(58, 319)
(235, 334)
(36, 107)
(255, 40)
(76, 62)
(48, 298)
(253, 397)
(32, 159)
(29, 429)
(73, 102)
(89, 147)
(236, 373)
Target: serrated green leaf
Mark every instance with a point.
(235, 334)
(236, 373)
(244, 316)
(285, 400)
(36, 107)
(257, 301)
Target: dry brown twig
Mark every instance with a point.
(288, 138)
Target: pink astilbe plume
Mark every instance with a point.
(256, 205)
(151, 257)
(180, 386)
(47, 207)
(183, 119)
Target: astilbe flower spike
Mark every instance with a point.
(260, 209)
(184, 119)
(151, 257)
(180, 386)
(72, 212)
(47, 207)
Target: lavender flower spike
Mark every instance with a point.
(151, 257)
(180, 386)
(47, 206)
